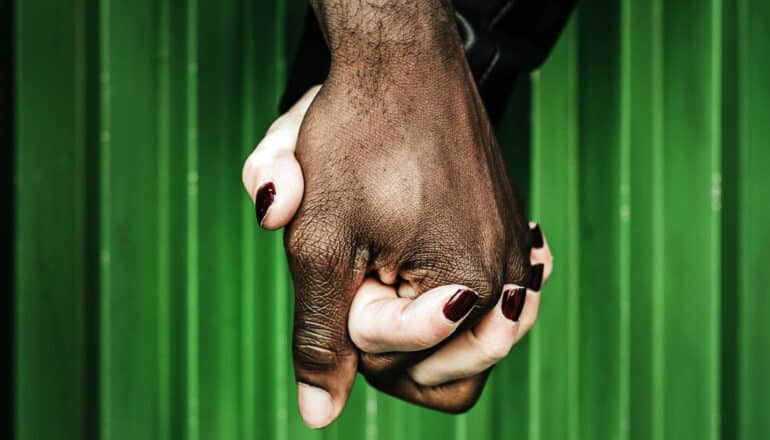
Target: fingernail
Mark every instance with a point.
(265, 198)
(536, 277)
(513, 303)
(537, 237)
(315, 405)
(460, 304)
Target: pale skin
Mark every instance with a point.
(385, 316)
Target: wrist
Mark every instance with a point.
(390, 37)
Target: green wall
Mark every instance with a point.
(149, 305)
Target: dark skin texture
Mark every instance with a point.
(403, 176)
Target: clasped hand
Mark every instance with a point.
(411, 257)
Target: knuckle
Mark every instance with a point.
(299, 238)
(489, 291)
(517, 269)
(381, 365)
(314, 244)
(317, 348)
(364, 330)
(314, 357)
(462, 406)
(457, 267)
(465, 397)
(422, 375)
(492, 350)
(487, 282)
(488, 286)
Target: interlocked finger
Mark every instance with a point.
(479, 348)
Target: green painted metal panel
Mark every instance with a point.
(641, 68)
(148, 304)
(554, 382)
(753, 236)
(53, 382)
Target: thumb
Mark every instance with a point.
(271, 174)
(321, 261)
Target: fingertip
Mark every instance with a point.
(512, 302)
(440, 312)
(290, 185)
(460, 304)
(535, 281)
(271, 174)
(276, 185)
(541, 252)
(264, 199)
(315, 406)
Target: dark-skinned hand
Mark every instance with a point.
(407, 203)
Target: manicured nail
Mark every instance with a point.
(537, 237)
(513, 303)
(265, 198)
(536, 277)
(460, 304)
(315, 405)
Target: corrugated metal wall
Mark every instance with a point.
(149, 305)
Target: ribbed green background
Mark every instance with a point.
(149, 305)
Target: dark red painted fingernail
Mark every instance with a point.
(513, 303)
(537, 237)
(265, 198)
(536, 277)
(460, 304)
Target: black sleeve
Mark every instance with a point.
(502, 38)
(311, 63)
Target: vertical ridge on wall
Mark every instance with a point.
(553, 393)
(192, 268)
(226, 316)
(644, 116)
(163, 367)
(371, 429)
(128, 188)
(105, 364)
(601, 221)
(51, 386)
(753, 235)
(730, 255)
(625, 215)
(715, 266)
(691, 296)
(8, 247)
(658, 231)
